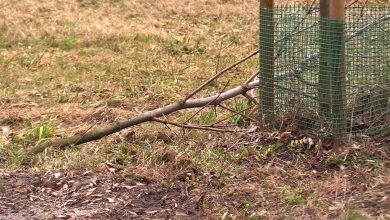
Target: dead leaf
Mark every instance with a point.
(253, 129)
(291, 128)
(111, 170)
(29, 190)
(62, 217)
(301, 135)
(50, 184)
(57, 175)
(129, 187)
(7, 132)
(94, 180)
(285, 117)
(89, 192)
(311, 142)
(334, 208)
(286, 136)
(56, 194)
(65, 187)
(19, 183)
(76, 185)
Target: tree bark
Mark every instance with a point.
(116, 126)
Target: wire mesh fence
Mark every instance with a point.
(326, 75)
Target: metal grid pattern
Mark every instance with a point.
(310, 53)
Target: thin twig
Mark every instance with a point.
(218, 58)
(198, 127)
(216, 72)
(170, 127)
(237, 113)
(352, 3)
(251, 98)
(220, 126)
(219, 74)
(251, 78)
(311, 7)
(203, 107)
(230, 116)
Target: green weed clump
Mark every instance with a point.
(295, 197)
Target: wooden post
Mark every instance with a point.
(332, 78)
(324, 78)
(267, 60)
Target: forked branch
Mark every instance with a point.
(153, 115)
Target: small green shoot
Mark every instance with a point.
(68, 42)
(239, 106)
(207, 117)
(43, 131)
(336, 160)
(295, 197)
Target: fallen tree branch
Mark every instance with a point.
(148, 116)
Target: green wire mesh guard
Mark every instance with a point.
(326, 75)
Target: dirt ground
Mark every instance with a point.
(285, 185)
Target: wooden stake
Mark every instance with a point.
(267, 61)
(332, 78)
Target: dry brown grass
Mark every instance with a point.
(68, 65)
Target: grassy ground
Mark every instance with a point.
(67, 66)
